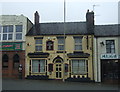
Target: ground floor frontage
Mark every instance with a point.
(11, 61)
(71, 67)
(110, 71)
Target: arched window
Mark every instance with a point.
(5, 61)
(49, 45)
(16, 61)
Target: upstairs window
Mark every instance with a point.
(77, 43)
(38, 44)
(110, 46)
(61, 43)
(49, 45)
(7, 32)
(19, 29)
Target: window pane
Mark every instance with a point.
(60, 47)
(42, 65)
(0, 29)
(78, 40)
(60, 40)
(18, 28)
(4, 36)
(110, 46)
(5, 29)
(10, 28)
(19, 36)
(10, 37)
(78, 47)
(35, 66)
(38, 48)
(82, 66)
(38, 41)
(74, 66)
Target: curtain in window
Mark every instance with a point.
(38, 66)
(78, 66)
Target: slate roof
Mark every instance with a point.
(58, 29)
(74, 28)
(107, 30)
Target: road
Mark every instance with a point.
(24, 84)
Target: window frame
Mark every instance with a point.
(78, 67)
(38, 67)
(5, 59)
(7, 32)
(39, 45)
(110, 48)
(18, 32)
(61, 44)
(78, 43)
(16, 60)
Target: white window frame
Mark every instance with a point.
(38, 61)
(78, 43)
(7, 33)
(78, 67)
(19, 32)
(39, 45)
(61, 44)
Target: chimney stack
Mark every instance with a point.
(36, 21)
(90, 21)
(36, 18)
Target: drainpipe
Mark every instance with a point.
(92, 58)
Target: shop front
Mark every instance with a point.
(110, 72)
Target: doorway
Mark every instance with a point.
(58, 68)
(109, 71)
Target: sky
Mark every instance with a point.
(106, 11)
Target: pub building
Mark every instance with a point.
(52, 55)
(12, 44)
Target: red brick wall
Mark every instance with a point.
(10, 72)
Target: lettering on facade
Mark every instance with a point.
(109, 56)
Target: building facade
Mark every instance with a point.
(107, 53)
(58, 51)
(12, 43)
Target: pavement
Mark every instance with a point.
(25, 84)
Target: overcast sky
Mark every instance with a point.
(106, 11)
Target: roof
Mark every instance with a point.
(107, 30)
(58, 29)
(74, 28)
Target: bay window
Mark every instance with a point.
(79, 66)
(38, 66)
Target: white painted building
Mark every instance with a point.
(106, 53)
(13, 29)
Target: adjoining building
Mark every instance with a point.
(107, 53)
(58, 51)
(12, 43)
